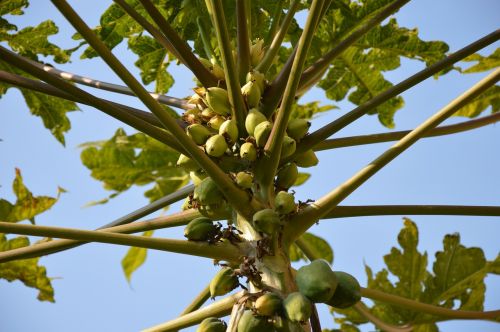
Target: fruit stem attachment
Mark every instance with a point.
(428, 308)
(363, 310)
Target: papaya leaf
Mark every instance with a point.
(316, 244)
(125, 161)
(26, 206)
(309, 110)
(13, 7)
(483, 63)
(489, 98)
(301, 179)
(134, 258)
(152, 62)
(27, 270)
(456, 280)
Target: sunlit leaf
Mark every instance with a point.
(301, 179)
(489, 98)
(316, 244)
(483, 62)
(134, 258)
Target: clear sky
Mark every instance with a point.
(91, 291)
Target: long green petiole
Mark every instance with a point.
(243, 39)
(307, 217)
(362, 309)
(198, 301)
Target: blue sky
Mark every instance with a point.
(92, 293)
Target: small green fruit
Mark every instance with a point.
(287, 176)
(248, 151)
(197, 176)
(307, 159)
(317, 281)
(207, 113)
(284, 202)
(261, 133)
(216, 146)
(256, 52)
(218, 100)
(207, 192)
(212, 324)
(266, 221)
(200, 229)
(297, 307)
(268, 304)
(297, 128)
(250, 323)
(198, 133)
(253, 118)
(187, 163)
(224, 281)
(216, 121)
(216, 211)
(251, 92)
(229, 129)
(288, 147)
(258, 78)
(347, 293)
(244, 180)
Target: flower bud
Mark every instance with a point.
(216, 146)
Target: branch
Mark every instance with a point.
(217, 309)
(311, 73)
(243, 39)
(396, 135)
(272, 150)
(315, 322)
(171, 101)
(221, 251)
(361, 308)
(323, 133)
(238, 109)
(103, 105)
(180, 47)
(428, 308)
(434, 210)
(267, 61)
(305, 219)
(198, 301)
(237, 198)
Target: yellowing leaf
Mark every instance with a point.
(134, 258)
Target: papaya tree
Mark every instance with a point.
(236, 151)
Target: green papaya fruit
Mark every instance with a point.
(268, 304)
(258, 78)
(284, 202)
(216, 146)
(251, 92)
(317, 281)
(248, 151)
(297, 307)
(207, 113)
(287, 175)
(261, 133)
(256, 52)
(244, 180)
(229, 129)
(297, 128)
(216, 121)
(348, 291)
(224, 281)
(216, 211)
(207, 192)
(198, 133)
(288, 147)
(306, 159)
(200, 229)
(214, 68)
(251, 323)
(253, 118)
(187, 163)
(266, 221)
(218, 100)
(212, 324)
(197, 176)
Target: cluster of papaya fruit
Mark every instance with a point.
(316, 282)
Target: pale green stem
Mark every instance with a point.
(101, 104)
(221, 251)
(326, 131)
(342, 142)
(238, 110)
(428, 308)
(217, 309)
(268, 164)
(243, 40)
(235, 196)
(54, 246)
(322, 206)
(267, 61)
(205, 39)
(362, 309)
(198, 301)
(181, 47)
(276, 18)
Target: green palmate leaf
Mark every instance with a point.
(483, 63)
(27, 270)
(134, 258)
(456, 280)
(13, 7)
(309, 110)
(152, 62)
(124, 161)
(490, 98)
(317, 245)
(26, 206)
